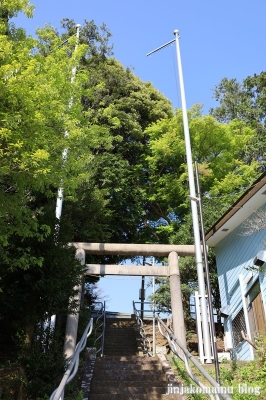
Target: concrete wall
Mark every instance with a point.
(233, 255)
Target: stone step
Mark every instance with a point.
(116, 346)
(130, 341)
(114, 322)
(119, 334)
(98, 389)
(116, 339)
(121, 385)
(125, 335)
(128, 367)
(119, 324)
(119, 353)
(120, 348)
(125, 325)
(119, 330)
(121, 376)
(119, 320)
(135, 397)
(132, 359)
(111, 346)
(120, 342)
(112, 328)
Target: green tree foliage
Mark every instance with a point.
(121, 103)
(127, 106)
(246, 102)
(35, 114)
(219, 149)
(100, 118)
(9, 9)
(40, 115)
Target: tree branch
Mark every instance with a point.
(247, 339)
(152, 231)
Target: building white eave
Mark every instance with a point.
(249, 202)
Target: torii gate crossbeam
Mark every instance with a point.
(128, 270)
(121, 249)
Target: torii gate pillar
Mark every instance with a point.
(176, 298)
(73, 319)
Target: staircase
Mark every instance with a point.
(120, 337)
(122, 374)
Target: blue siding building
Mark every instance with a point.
(238, 236)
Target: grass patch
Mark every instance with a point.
(242, 381)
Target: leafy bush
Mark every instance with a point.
(245, 380)
(44, 364)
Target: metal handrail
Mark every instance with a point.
(185, 357)
(142, 332)
(72, 364)
(180, 351)
(101, 319)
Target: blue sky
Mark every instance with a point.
(218, 39)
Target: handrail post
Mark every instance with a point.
(102, 322)
(103, 333)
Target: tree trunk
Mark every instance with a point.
(29, 331)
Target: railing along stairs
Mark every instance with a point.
(215, 391)
(72, 364)
(146, 344)
(99, 315)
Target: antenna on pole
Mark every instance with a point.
(161, 47)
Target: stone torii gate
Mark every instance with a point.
(129, 250)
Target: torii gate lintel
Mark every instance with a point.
(134, 249)
(127, 270)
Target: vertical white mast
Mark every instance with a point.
(204, 315)
(194, 211)
(60, 194)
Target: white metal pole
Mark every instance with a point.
(153, 320)
(205, 327)
(60, 194)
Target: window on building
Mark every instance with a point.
(238, 325)
(256, 314)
